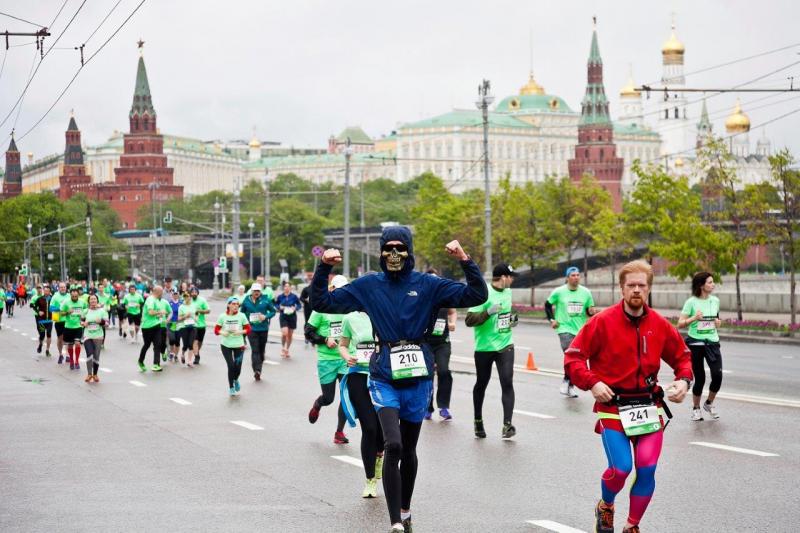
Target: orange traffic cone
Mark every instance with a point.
(531, 365)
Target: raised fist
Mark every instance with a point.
(454, 249)
(331, 257)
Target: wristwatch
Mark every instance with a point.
(688, 383)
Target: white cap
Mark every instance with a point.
(339, 281)
(240, 288)
(256, 287)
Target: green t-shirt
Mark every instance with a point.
(235, 323)
(190, 318)
(93, 329)
(163, 305)
(327, 325)
(104, 300)
(73, 312)
(494, 334)
(55, 304)
(200, 304)
(133, 303)
(357, 327)
(154, 304)
(704, 329)
(570, 308)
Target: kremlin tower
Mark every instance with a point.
(12, 183)
(596, 153)
(73, 177)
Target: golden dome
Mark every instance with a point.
(630, 89)
(737, 122)
(679, 162)
(673, 49)
(254, 143)
(531, 87)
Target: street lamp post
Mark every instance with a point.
(41, 255)
(235, 239)
(28, 245)
(215, 283)
(267, 214)
(348, 152)
(89, 241)
(61, 264)
(483, 103)
(250, 226)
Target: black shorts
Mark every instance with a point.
(59, 329)
(174, 337)
(199, 334)
(288, 321)
(122, 313)
(135, 319)
(71, 336)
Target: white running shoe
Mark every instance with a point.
(697, 414)
(572, 391)
(564, 388)
(711, 410)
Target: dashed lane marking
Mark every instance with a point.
(106, 370)
(349, 460)
(180, 401)
(534, 415)
(765, 400)
(137, 383)
(554, 526)
(273, 363)
(735, 449)
(247, 425)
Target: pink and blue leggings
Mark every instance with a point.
(646, 450)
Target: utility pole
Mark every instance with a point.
(28, 246)
(364, 253)
(152, 186)
(39, 34)
(484, 100)
(215, 282)
(41, 255)
(348, 151)
(267, 214)
(235, 232)
(250, 226)
(89, 239)
(61, 265)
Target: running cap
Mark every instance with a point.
(194, 289)
(503, 269)
(256, 287)
(572, 269)
(339, 281)
(232, 299)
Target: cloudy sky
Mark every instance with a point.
(300, 70)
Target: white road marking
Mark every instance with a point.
(735, 449)
(180, 401)
(15, 329)
(523, 347)
(458, 341)
(24, 334)
(137, 384)
(787, 357)
(273, 363)
(727, 371)
(765, 400)
(247, 425)
(107, 370)
(554, 526)
(534, 415)
(349, 460)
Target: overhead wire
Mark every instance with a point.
(20, 19)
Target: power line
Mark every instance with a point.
(58, 14)
(21, 19)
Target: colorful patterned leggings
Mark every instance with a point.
(646, 450)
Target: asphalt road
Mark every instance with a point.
(161, 452)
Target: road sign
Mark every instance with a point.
(229, 249)
(168, 218)
(317, 251)
(223, 264)
(23, 270)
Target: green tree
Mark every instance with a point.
(590, 199)
(560, 194)
(612, 238)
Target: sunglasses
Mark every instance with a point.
(399, 247)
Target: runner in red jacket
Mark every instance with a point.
(624, 346)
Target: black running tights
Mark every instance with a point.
(699, 357)
(327, 397)
(371, 433)
(151, 336)
(504, 360)
(400, 448)
(233, 358)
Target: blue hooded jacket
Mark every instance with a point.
(401, 305)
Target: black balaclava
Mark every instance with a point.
(402, 234)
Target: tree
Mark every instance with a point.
(785, 229)
(611, 237)
(523, 231)
(559, 195)
(590, 199)
(735, 210)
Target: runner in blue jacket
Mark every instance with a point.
(403, 305)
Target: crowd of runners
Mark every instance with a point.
(380, 340)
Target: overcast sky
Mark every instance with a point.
(300, 70)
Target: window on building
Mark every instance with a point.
(666, 113)
(602, 154)
(125, 225)
(122, 198)
(677, 114)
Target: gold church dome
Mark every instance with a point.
(254, 143)
(630, 89)
(673, 46)
(531, 87)
(737, 122)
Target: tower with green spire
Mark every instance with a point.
(596, 153)
(704, 128)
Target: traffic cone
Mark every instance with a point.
(531, 365)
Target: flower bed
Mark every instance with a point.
(755, 327)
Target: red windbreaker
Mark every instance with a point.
(623, 354)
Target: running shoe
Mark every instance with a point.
(236, 385)
(183, 360)
(71, 365)
(697, 414)
(257, 376)
(370, 489)
(164, 357)
(508, 430)
(564, 388)
(604, 516)
(197, 359)
(313, 414)
(232, 392)
(124, 335)
(396, 529)
(379, 467)
(142, 367)
(572, 391)
(340, 438)
(156, 368)
(710, 409)
(77, 366)
(632, 529)
(428, 415)
(60, 359)
(47, 353)
(39, 348)
(407, 525)
(479, 431)
(444, 412)
(88, 379)
(95, 378)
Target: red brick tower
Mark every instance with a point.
(12, 183)
(73, 177)
(596, 153)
